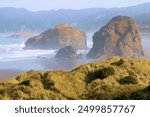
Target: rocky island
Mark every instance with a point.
(60, 36)
(120, 37)
(66, 53)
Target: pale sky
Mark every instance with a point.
(37, 5)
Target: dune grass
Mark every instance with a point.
(115, 78)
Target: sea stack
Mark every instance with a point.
(67, 57)
(60, 36)
(120, 37)
(67, 53)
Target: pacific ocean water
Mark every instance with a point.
(13, 56)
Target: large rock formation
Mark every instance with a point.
(59, 37)
(121, 37)
(115, 78)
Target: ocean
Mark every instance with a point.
(13, 57)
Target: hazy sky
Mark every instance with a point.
(36, 5)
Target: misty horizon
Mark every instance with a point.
(74, 9)
(47, 5)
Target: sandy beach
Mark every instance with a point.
(6, 74)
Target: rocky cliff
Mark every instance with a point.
(121, 37)
(115, 78)
(60, 36)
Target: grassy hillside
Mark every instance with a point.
(114, 78)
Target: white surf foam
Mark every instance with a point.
(14, 51)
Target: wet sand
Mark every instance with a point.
(7, 74)
(12, 69)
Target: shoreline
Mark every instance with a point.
(49, 65)
(7, 74)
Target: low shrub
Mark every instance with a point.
(118, 63)
(128, 80)
(101, 74)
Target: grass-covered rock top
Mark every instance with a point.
(115, 78)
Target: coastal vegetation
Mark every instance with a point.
(115, 78)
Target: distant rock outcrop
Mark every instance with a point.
(121, 37)
(59, 37)
(22, 35)
(66, 53)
